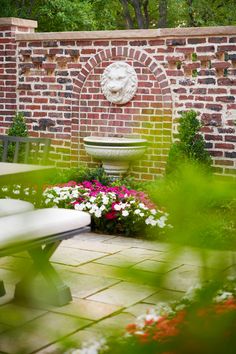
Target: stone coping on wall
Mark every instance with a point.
(13, 21)
(129, 34)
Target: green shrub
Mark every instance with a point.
(18, 128)
(191, 145)
(79, 174)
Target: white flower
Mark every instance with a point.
(162, 221)
(79, 207)
(137, 211)
(125, 213)
(98, 213)
(94, 348)
(102, 207)
(191, 292)
(223, 296)
(141, 206)
(26, 191)
(49, 195)
(149, 220)
(16, 191)
(92, 199)
(105, 200)
(153, 211)
(75, 194)
(117, 207)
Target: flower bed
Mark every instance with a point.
(114, 209)
(204, 321)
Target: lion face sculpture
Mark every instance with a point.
(119, 82)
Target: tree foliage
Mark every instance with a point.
(72, 15)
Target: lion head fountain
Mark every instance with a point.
(119, 84)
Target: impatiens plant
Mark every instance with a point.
(114, 209)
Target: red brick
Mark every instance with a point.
(207, 48)
(230, 138)
(225, 98)
(196, 40)
(217, 40)
(227, 48)
(214, 107)
(213, 137)
(224, 146)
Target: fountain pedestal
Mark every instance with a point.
(115, 153)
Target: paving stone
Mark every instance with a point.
(139, 309)
(144, 244)
(119, 273)
(200, 257)
(14, 315)
(94, 245)
(143, 253)
(164, 296)
(92, 310)
(83, 285)
(156, 267)
(39, 333)
(92, 236)
(128, 257)
(73, 256)
(114, 325)
(75, 341)
(230, 271)
(119, 260)
(123, 294)
(186, 276)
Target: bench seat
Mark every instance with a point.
(9, 206)
(40, 232)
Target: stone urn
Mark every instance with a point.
(115, 153)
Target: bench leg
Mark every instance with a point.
(2, 289)
(59, 293)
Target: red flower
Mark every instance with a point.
(131, 327)
(111, 215)
(228, 305)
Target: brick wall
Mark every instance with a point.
(58, 89)
(9, 27)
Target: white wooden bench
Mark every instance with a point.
(40, 232)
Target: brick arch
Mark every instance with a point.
(131, 53)
(142, 124)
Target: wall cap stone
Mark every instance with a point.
(20, 22)
(129, 34)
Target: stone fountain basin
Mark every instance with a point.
(113, 149)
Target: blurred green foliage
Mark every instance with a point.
(201, 207)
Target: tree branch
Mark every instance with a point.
(128, 18)
(146, 13)
(162, 20)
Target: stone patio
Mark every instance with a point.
(112, 279)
